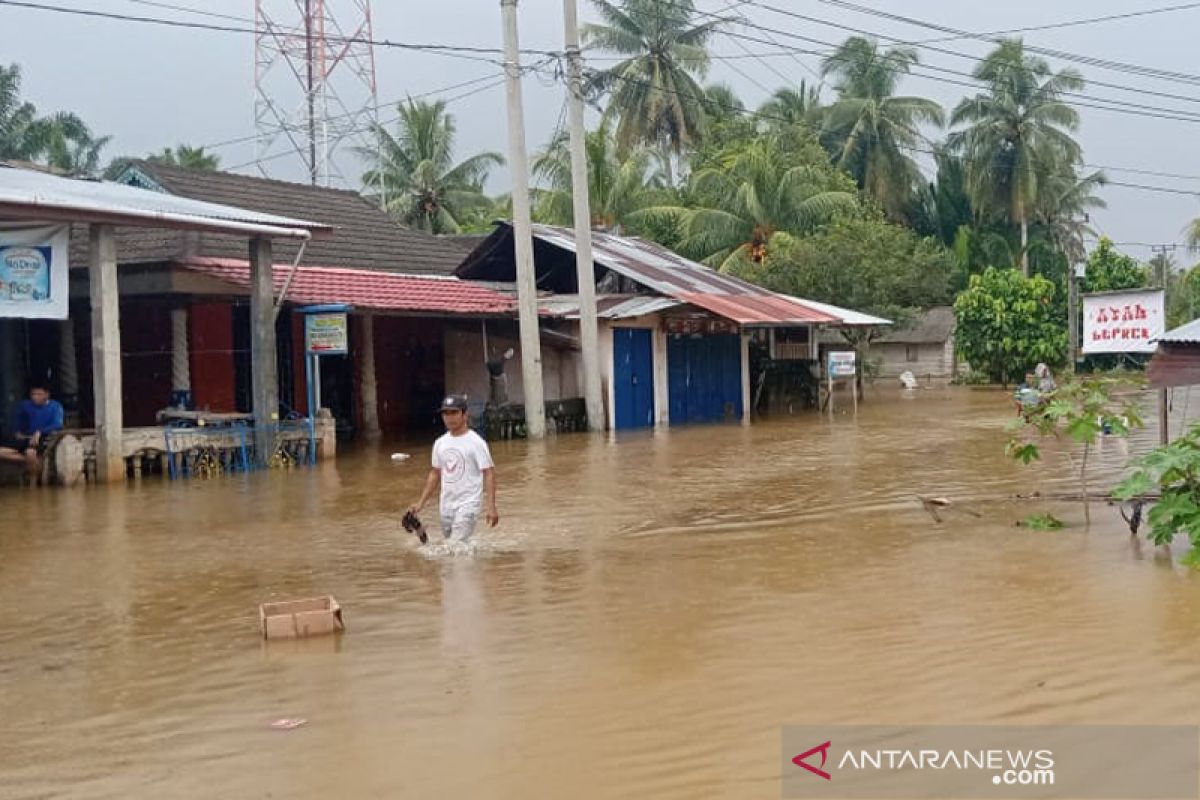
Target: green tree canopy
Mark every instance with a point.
(1110, 270)
(753, 198)
(866, 264)
(654, 91)
(1016, 134)
(417, 177)
(871, 130)
(1008, 323)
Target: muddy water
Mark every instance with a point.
(648, 615)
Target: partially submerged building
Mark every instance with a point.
(677, 338)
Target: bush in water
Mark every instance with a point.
(1174, 471)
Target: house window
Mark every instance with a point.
(912, 352)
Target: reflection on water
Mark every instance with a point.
(651, 610)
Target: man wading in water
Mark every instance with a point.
(463, 465)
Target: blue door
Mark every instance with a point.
(633, 377)
(704, 378)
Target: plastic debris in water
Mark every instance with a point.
(287, 724)
(400, 456)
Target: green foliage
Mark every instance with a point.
(416, 174)
(1174, 471)
(1016, 138)
(654, 91)
(1078, 413)
(1043, 522)
(188, 158)
(871, 131)
(61, 141)
(753, 200)
(1110, 270)
(1008, 323)
(867, 264)
(1183, 298)
(617, 185)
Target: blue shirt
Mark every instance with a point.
(32, 418)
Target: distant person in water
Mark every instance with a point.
(37, 417)
(462, 465)
(1045, 380)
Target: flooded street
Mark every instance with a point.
(650, 612)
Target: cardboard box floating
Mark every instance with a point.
(292, 619)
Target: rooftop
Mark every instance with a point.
(41, 196)
(365, 289)
(364, 237)
(654, 267)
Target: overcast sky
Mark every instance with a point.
(150, 86)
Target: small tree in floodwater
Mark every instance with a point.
(1174, 471)
(1079, 411)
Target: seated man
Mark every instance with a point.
(37, 418)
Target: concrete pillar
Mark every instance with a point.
(662, 386)
(745, 337)
(106, 353)
(264, 371)
(181, 373)
(370, 392)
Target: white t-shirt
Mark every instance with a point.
(461, 460)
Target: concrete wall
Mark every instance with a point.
(465, 371)
(934, 361)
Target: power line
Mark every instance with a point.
(448, 100)
(1112, 104)
(1070, 23)
(1114, 66)
(456, 51)
(776, 118)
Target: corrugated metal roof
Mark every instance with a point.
(28, 194)
(668, 273)
(1184, 334)
(614, 306)
(371, 289)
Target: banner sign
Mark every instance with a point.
(326, 334)
(33, 272)
(1123, 322)
(841, 364)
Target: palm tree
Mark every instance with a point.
(871, 130)
(1065, 202)
(617, 186)
(16, 118)
(188, 158)
(799, 106)
(61, 141)
(416, 176)
(752, 203)
(1016, 134)
(654, 91)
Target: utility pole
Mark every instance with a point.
(1164, 425)
(1073, 276)
(589, 337)
(531, 344)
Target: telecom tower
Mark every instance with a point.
(314, 85)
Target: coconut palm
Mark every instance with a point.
(654, 93)
(872, 131)
(1016, 134)
(798, 106)
(61, 141)
(16, 118)
(617, 186)
(416, 175)
(1065, 202)
(188, 158)
(752, 202)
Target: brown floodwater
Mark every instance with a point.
(650, 612)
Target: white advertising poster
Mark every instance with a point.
(33, 272)
(1123, 322)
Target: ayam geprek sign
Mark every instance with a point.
(1123, 322)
